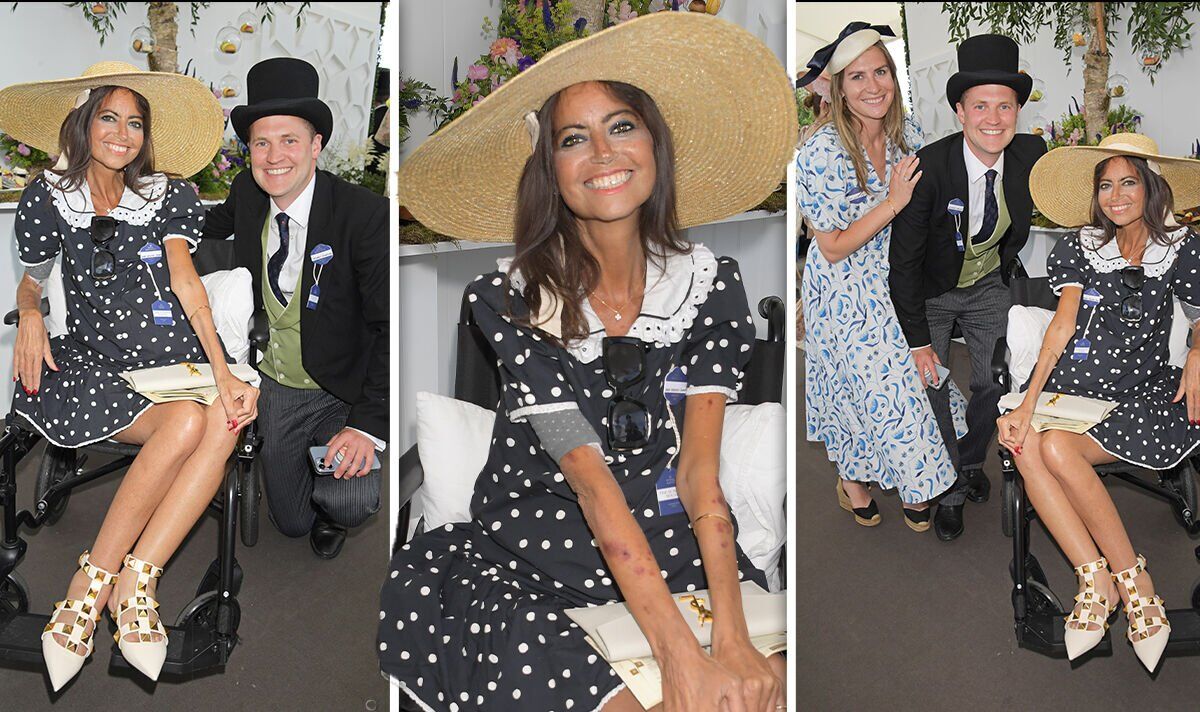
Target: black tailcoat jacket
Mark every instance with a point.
(344, 342)
(925, 260)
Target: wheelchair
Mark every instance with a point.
(477, 381)
(205, 631)
(1037, 612)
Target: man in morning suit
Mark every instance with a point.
(317, 248)
(953, 247)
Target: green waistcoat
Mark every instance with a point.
(982, 259)
(281, 361)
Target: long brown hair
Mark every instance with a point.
(847, 124)
(550, 254)
(1160, 202)
(74, 141)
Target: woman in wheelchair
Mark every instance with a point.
(124, 231)
(1109, 340)
(610, 328)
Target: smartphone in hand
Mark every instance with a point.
(317, 455)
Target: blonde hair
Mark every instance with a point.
(847, 124)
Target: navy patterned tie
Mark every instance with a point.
(990, 211)
(275, 264)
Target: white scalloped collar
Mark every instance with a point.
(77, 210)
(673, 295)
(1107, 258)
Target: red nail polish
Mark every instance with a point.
(235, 423)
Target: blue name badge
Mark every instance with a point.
(958, 241)
(675, 386)
(1082, 349)
(150, 253)
(321, 254)
(162, 313)
(955, 207)
(668, 497)
(1091, 297)
(314, 296)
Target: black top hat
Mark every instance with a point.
(988, 59)
(282, 86)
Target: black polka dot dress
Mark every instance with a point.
(472, 613)
(1127, 360)
(111, 327)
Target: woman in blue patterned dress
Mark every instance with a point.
(864, 399)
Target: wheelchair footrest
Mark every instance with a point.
(1043, 633)
(21, 637)
(1185, 632)
(191, 650)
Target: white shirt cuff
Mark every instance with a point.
(379, 444)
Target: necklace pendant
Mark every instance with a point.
(618, 316)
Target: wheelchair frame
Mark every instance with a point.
(1037, 612)
(205, 631)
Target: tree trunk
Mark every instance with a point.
(593, 11)
(1095, 79)
(165, 57)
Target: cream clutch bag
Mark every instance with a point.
(1058, 411)
(184, 381)
(616, 635)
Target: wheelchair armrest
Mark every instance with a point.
(14, 316)
(260, 331)
(411, 475)
(1000, 364)
(771, 308)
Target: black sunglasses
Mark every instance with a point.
(104, 262)
(628, 418)
(1132, 277)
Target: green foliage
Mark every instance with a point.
(1155, 29)
(212, 182)
(20, 155)
(1070, 130)
(803, 113)
(417, 96)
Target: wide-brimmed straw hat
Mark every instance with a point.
(186, 120)
(1061, 181)
(726, 98)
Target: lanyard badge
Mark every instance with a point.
(955, 208)
(321, 255)
(151, 254)
(1083, 347)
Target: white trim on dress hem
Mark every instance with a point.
(109, 436)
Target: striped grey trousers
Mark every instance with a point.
(290, 421)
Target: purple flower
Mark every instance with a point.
(579, 25)
(454, 74)
(412, 103)
(473, 87)
(477, 72)
(524, 63)
(23, 149)
(549, 23)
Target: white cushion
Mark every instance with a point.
(454, 437)
(230, 294)
(1027, 326)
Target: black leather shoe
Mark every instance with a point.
(327, 538)
(948, 522)
(979, 488)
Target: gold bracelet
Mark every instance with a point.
(198, 310)
(892, 205)
(712, 514)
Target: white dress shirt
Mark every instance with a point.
(298, 213)
(976, 183)
(289, 275)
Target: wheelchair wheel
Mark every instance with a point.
(212, 578)
(1034, 569)
(1042, 601)
(1007, 506)
(202, 611)
(248, 495)
(1190, 492)
(14, 594)
(57, 465)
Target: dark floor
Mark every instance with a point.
(901, 621)
(307, 628)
